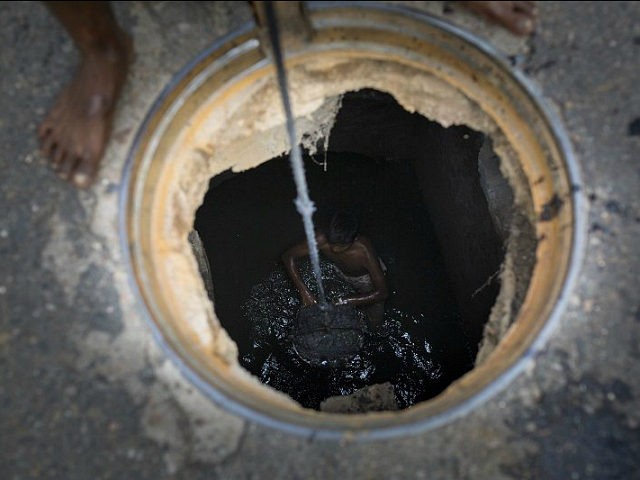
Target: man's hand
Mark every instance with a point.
(288, 259)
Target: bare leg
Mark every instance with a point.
(517, 17)
(75, 132)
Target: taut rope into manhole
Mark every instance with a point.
(304, 204)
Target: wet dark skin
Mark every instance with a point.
(75, 132)
(355, 259)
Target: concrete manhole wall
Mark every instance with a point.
(223, 113)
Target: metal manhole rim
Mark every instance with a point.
(284, 422)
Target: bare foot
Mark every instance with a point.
(75, 132)
(517, 17)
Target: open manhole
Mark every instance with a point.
(462, 181)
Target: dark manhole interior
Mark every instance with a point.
(436, 208)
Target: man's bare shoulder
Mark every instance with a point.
(363, 242)
(364, 247)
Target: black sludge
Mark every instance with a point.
(402, 351)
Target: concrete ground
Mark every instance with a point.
(85, 392)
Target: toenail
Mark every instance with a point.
(81, 179)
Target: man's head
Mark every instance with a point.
(342, 230)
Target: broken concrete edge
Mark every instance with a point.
(372, 398)
(256, 135)
(171, 198)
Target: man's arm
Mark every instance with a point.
(289, 260)
(372, 265)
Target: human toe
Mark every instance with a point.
(85, 173)
(58, 156)
(48, 145)
(523, 25)
(67, 166)
(43, 130)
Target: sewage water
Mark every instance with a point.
(246, 221)
(416, 354)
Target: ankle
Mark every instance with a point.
(115, 46)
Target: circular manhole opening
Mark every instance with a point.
(464, 183)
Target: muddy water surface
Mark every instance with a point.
(418, 355)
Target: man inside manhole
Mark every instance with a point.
(354, 259)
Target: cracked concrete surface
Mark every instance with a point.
(85, 390)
